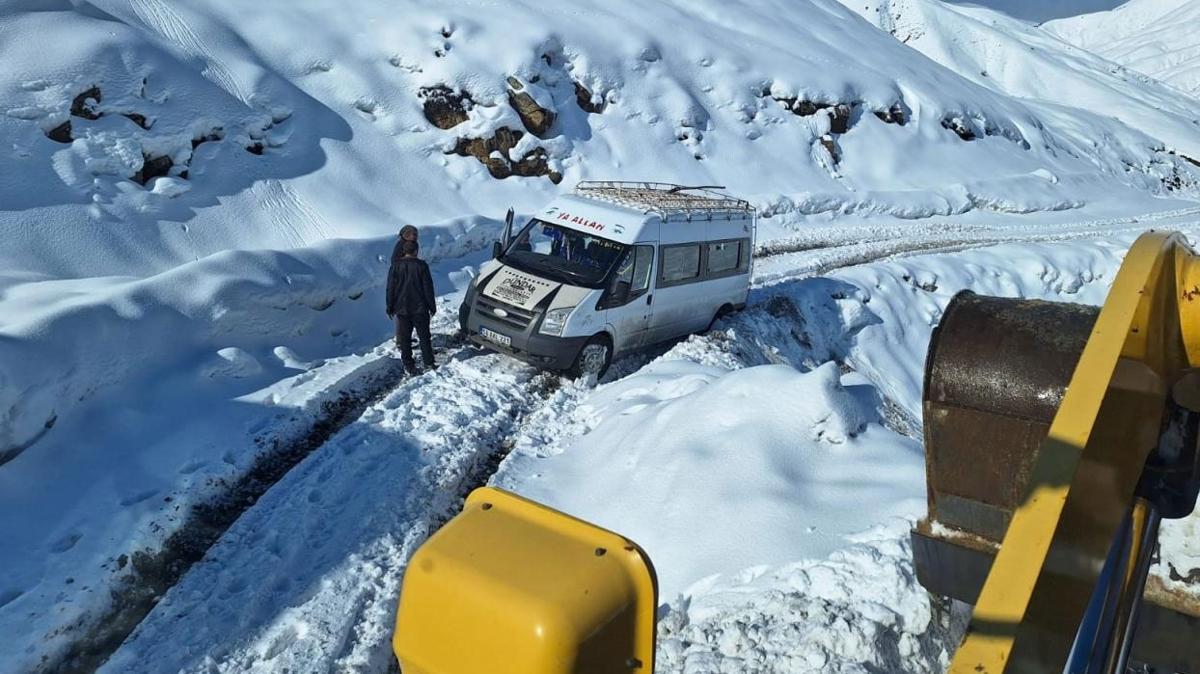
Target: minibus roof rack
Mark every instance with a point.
(666, 199)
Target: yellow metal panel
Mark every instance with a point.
(1187, 270)
(512, 587)
(1086, 470)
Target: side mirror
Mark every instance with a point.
(496, 250)
(508, 223)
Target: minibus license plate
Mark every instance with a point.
(496, 337)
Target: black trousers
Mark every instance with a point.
(405, 323)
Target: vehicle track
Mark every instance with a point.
(362, 637)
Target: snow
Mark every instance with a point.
(860, 610)
(680, 449)
(347, 151)
(157, 340)
(1039, 68)
(1152, 37)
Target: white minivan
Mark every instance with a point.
(611, 267)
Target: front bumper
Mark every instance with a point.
(528, 345)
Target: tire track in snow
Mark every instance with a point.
(949, 237)
(153, 572)
(331, 539)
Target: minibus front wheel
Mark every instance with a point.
(594, 357)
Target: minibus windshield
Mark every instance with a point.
(561, 254)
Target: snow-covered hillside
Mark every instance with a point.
(1154, 37)
(1012, 57)
(279, 125)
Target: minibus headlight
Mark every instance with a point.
(555, 320)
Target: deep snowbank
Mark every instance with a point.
(686, 459)
(860, 610)
(904, 299)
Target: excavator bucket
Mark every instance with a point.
(996, 373)
(510, 586)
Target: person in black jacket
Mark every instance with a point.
(410, 301)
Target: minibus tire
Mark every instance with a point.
(579, 368)
(724, 311)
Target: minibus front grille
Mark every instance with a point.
(514, 317)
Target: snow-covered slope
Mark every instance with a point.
(1154, 37)
(1012, 57)
(281, 124)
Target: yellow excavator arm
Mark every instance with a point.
(1084, 483)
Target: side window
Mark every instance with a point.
(633, 270)
(724, 257)
(727, 258)
(680, 264)
(642, 266)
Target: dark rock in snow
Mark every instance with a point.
(84, 105)
(537, 120)
(255, 148)
(534, 163)
(839, 113)
(213, 134)
(61, 133)
(893, 115)
(839, 121)
(829, 144)
(152, 167)
(585, 100)
(138, 119)
(961, 128)
(444, 108)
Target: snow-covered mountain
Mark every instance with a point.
(1015, 58)
(1154, 37)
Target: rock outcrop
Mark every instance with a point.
(536, 119)
(444, 107)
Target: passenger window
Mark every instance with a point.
(680, 264)
(724, 257)
(642, 265)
